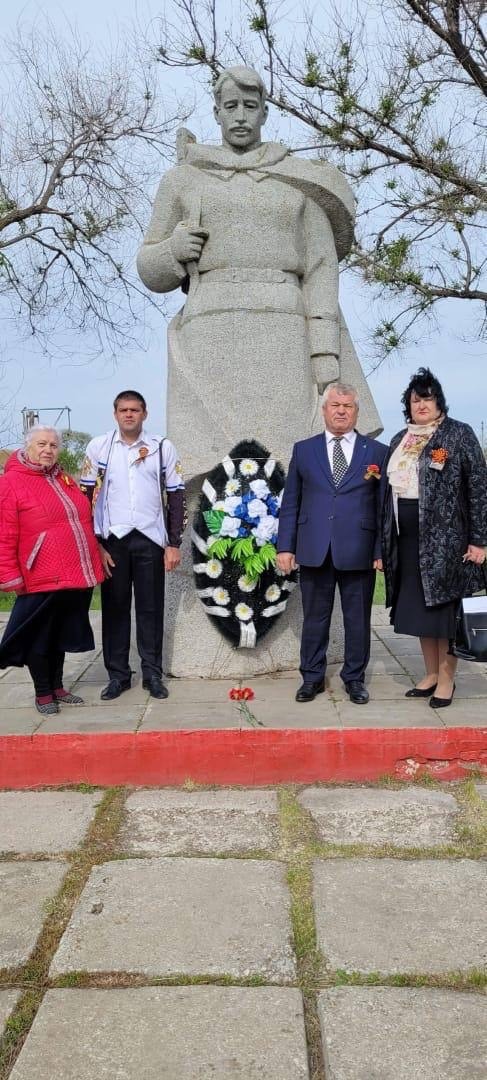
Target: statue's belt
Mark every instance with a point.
(250, 274)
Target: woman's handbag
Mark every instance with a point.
(470, 641)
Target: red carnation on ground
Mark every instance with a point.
(243, 694)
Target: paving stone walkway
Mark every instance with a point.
(301, 933)
(203, 703)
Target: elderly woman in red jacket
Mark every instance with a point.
(49, 557)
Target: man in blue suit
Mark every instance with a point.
(329, 525)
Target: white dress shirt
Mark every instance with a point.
(347, 444)
(130, 494)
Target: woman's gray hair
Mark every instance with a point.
(340, 388)
(35, 429)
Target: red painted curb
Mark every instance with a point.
(240, 757)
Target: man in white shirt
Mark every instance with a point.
(330, 524)
(135, 484)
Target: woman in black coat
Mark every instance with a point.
(434, 523)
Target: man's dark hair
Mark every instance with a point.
(425, 385)
(130, 395)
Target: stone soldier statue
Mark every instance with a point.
(256, 235)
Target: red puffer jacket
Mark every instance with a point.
(46, 533)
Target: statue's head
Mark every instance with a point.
(240, 107)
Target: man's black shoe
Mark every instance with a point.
(357, 692)
(308, 690)
(155, 686)
(114, 689)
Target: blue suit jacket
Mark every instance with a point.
(317, 515)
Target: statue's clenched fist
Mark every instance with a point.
(187, 242)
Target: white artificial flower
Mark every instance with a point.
(218, 505)
(256, 508)
(272, 593)
(248, 467)
(232, 486)
(243, 612)
(265, 531)
(259, 488)
(231, 503)
(213, 568)
(230, 527)
(246, 584)
(221, 596)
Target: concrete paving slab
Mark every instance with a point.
(90, 692)
(389, 1033)
(204, 822)
(409, 817)
(45, 821)
(387, 714)
(25, 887)
(385, 664)
(181, 916)
(94, 718)
(391, 916)
(8, 998)
(15, 675)
(166, 715)
(380, 687)
(167, 1033)
(19, 721)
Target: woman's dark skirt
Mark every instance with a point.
(409, 614)
(47, 622)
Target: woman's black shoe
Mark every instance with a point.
(442, 702)
(416, 692)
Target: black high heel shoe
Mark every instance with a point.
(416, 692)
(442, 702)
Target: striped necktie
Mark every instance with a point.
(340, 464)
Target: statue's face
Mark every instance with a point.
(240, 114)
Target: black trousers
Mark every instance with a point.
(318, 584)
(139, 568)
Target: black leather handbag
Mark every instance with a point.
(470, 641)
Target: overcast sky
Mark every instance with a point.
(32, 380)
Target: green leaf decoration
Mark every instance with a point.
(268, 555)
(254, 566)
(214, 519)
(242, 548)
(219, 546)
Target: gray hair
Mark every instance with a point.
(243, 77)
(35, 429)
(341, 388)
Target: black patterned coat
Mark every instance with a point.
(452, 515)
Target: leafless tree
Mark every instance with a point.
(81, 144)
(394, 94)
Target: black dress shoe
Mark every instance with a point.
(416, 692)
(357, 692)
(308, 690)
(442, 702)
(114, 689)
(155, 686)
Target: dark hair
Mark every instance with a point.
(130, 395)
(424, 384)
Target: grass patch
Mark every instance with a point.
(472, 826)
(473, 979)
(298, 841)
(7, 600)
(380, 590)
